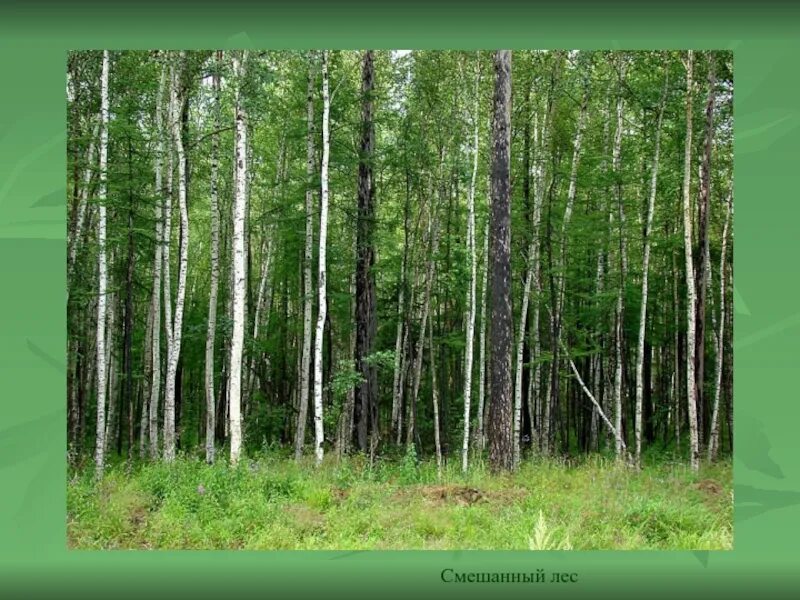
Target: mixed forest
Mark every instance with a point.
(465, 264)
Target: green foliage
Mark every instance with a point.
(274, 503)
(345, 379)
(409, 469)
(382, 359)
(544, 537)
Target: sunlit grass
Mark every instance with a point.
(276, 503)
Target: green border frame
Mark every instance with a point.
(34, 38)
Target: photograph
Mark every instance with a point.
(415, 299)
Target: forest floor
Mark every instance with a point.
(276, 503)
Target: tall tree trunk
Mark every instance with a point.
(713, 443)
(557, 317)
(472, 277)
(500, 421)
(703, 266)
(258, 315)
(645, 273)
(550, 400)
(366, 390)
(76, 230)
(308, 297)
(534, 397)
(676, 374)
(127, 327)
(322, 284)
(691, 385)
(529, 273)
(435, 397)
(168, 209)
(111, 369)
(177, 325)
(161, 243)
(480, 425)
(345, 431)
(433, 237)
(214, 285)
(238, 259)
(147, 382)
(99, 454)
(402, 330)
(620, 308)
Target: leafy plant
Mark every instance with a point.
(544, 537)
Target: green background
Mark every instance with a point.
(34, 38)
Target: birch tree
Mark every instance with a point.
(177, 325)
(472, 283)
(76, 232)
(713, 442)
(214, 284)
(99, 454)
(155, 388)
(321, 276)
(703, 267)
(238, 260)
(480, 426)
(691, 391)
(308, 299)
(620, 308)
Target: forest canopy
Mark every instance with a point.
(442, 254)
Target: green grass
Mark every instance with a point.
(275, 503)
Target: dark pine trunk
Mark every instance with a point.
(500, 410)
(366, 392)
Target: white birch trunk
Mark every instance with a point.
(526, 293)
(238, 260)
(175, 346)
(76, 237)
(645, 273)
(155, 357)
(713, 444)
(322, 282)
(691, 391)
(617, 433)
(99, 454)
(168, 204)
(470, 291)
(214, 285)
(481, 437)
(308, 291)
